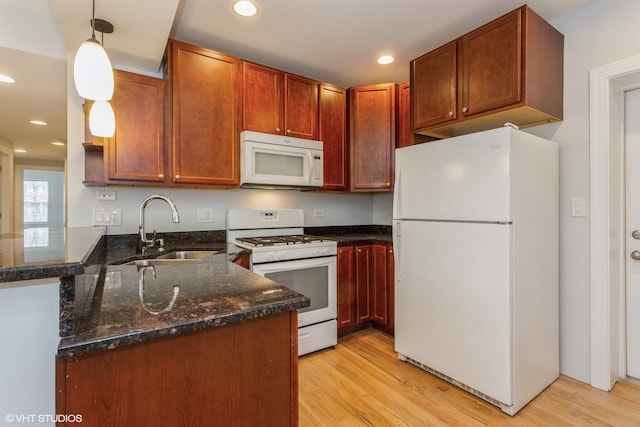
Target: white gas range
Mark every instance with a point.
(282, 252)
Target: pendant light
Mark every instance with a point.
(102, 121)
(92, 71)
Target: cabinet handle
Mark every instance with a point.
(278, 130)
(177, 176)
(161, 176)
(450, 113)
(465, 109)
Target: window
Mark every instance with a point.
(36, 201)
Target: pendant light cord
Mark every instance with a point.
(93, 20)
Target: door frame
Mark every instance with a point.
(607, 252)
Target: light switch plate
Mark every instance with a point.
(578, 207)
(107, 216)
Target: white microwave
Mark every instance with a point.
(276, 161)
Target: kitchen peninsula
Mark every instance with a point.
(225, 350)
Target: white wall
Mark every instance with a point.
(29, 337)
(600, 33)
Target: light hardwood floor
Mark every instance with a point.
(362, 383)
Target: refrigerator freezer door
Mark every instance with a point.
(465, 178)
(453, 301)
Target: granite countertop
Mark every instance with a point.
(39, 253)
(105, 304)
(117, 305)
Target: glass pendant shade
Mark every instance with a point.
(102, 120)
(92, 71)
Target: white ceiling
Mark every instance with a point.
(335, 41)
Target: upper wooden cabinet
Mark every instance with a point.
(137, 150)
(332, 131)
(205, 92)
(406, 136)
(278, 102)
(510, 70)
(372, 136)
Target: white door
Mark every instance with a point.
(466, 178)
(632, 167)
(453, 311)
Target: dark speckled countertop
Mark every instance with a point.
(105, 304)
(115, 304)
(39, 253)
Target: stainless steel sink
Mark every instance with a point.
(175, 257)
(187, 255)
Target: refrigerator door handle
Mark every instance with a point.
(397, 233)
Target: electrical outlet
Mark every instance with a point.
(107, 216)
(318, 213)
(105, 195)
(205, 215)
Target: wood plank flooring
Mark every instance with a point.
(362, 383)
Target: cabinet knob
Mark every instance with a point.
(161, 176)
(450, 113)
(465, 109)
(177, 176)
(359, 250)
(278, 130)
(288, 131)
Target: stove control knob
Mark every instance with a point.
(281, 255)
(270, 256)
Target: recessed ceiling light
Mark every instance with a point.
(245, 8)
(385, 59)
(20, 150)
(59, 143)
(38, 122)
(6, 79)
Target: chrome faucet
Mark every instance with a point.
(148, 243)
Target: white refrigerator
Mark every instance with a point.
(475, 228)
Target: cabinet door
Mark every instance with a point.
(491, 59)
(434, 86)
(206, 116)
(391, 286)
(300, 107)
(405, 129)
(136, 152)
(379, 284)
(372, 136)
(363, 282)
(346, 286)
(332, 132)
(262, 98)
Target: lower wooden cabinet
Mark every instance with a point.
(365, 287)
(242, 374)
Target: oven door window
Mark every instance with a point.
(312, 282)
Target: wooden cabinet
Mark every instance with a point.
(372, 136)
(205, 93)
(137, 150)
(406, 136)
(332, 131)
(364, 293)
(278, 102)
(382, 286)
(347, 291)
(245, 373)
(365, 287)
(509, 70)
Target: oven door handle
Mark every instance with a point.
(298, 263)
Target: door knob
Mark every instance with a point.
(635, 255)
(636, 234)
